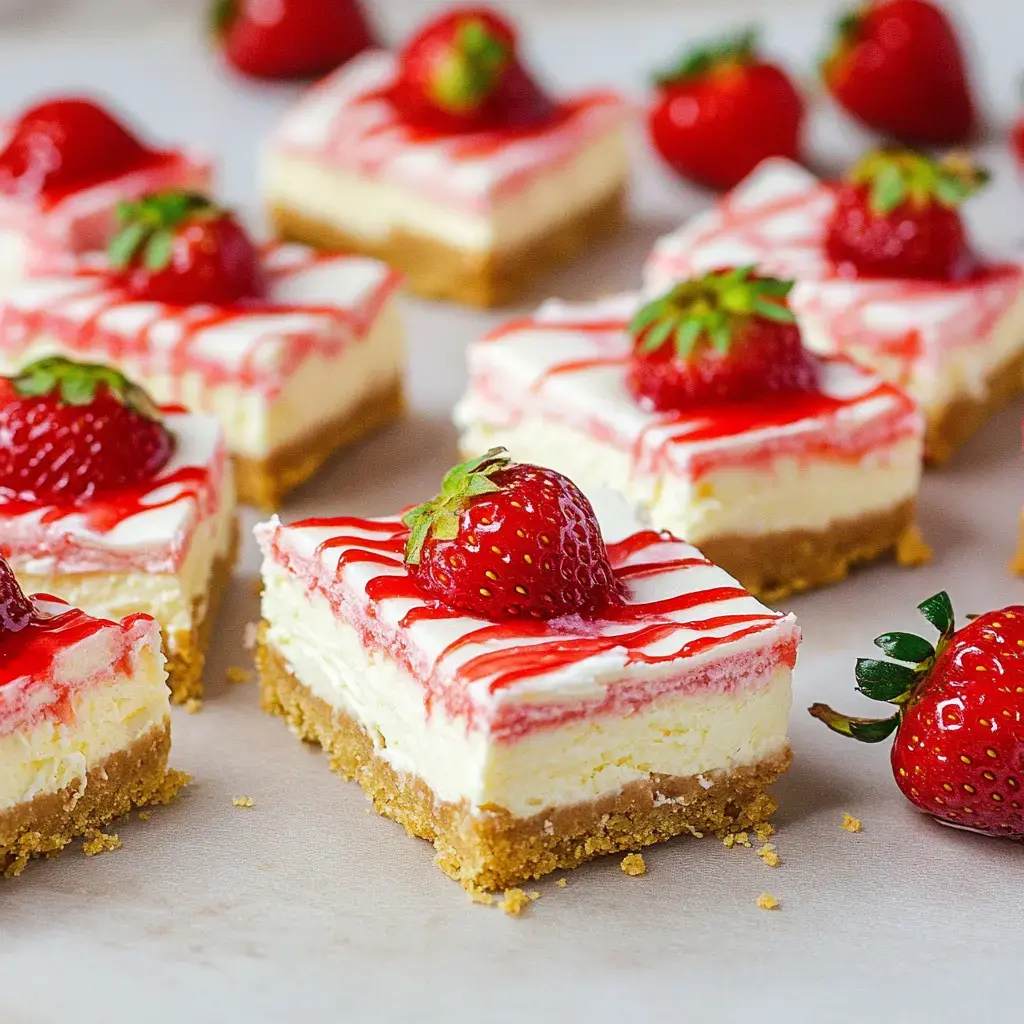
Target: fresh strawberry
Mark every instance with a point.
(16, 609)
(897, 67)
(722, 110)
(1018, 140)
(506, 541)
(897, 215)
(71, 430)
(959, 720)
(290, 39)
(726, 337)
(65, 143)
(461, 72)
(180, 248)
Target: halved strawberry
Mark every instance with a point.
(16, 609)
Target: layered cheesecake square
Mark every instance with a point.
(84, 727)
(786, 492)
(51, 213)
(522, 746)
(472, 216)
(957, 347)
(165, 548)
(292, 377)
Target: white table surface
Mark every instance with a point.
(307, 907)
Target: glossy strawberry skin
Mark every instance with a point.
(717, 127)
(212, 260)
(926, 242)
(291, 39)
(55, 453)
(531, 549)
(765, 358)
(16, 609)
(900, 70)
(959, 750)
(64, 143)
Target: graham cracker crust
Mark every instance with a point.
(186, 651)
(435, 270)
(957, 422)
(497, 850)
(779, 564)
(264, 482)
(44, 825)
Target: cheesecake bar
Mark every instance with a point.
(956, 346)
(85, 727)
(165, 547)
(469, 215)
(65, 166)
(525, 745)
(785, 491)
(310, 367)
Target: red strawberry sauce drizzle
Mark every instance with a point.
(335, 327)
(651, 449)
(29, 656)
(562, 643)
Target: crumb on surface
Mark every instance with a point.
(144, 815)
(911, 549)
(764, 831)
(766, 901)
(561, 883)
(515, 902)
(732, 839)
(97, 842)
(633, 864)
(242, 801)
(237, 674)
(193, 705)
(479, 896)
(850, 823)
(770, 855)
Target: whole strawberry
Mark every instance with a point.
(180, 248)
(1018, 140)
(290, 39)
(959, 720)
(16, 609)
(71, 430)
(63, 144)
(722, 110)
(897, 214)
(506, 541)
(461, 72)
(726, 337)
(897, 67)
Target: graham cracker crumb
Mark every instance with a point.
(911, 549)
(561, 883)
(237, 675)
(850, 823)
(769, 855)
(97, 842)
(144, 815)
(242, 801)
(764, 831)
(633, 864)
(732, 839)
(534, 895)
(479, 896)
(515, 902)
(193, 705)
(766, 901)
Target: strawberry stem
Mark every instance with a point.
(147, 227)
(439, 517)
(470, 73)
(736, 51)
(897, 176)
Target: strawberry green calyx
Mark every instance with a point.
(888, 681)
(146, 227)
(439, 517)
(847, 31)
(894, 177)
(736, 51)
(78, 383)
(222, 14)
(715, 308)
(468, 75)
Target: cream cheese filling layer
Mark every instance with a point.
(176, 601)
(549, 767)
(375, 209)
(786, 494)
(321, 389)
(107, 717)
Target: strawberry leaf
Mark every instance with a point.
(867, 730)
(739, 49)
(158, 252)
(905, 647)
(938, 610)
(125, 244)
(884, 680)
